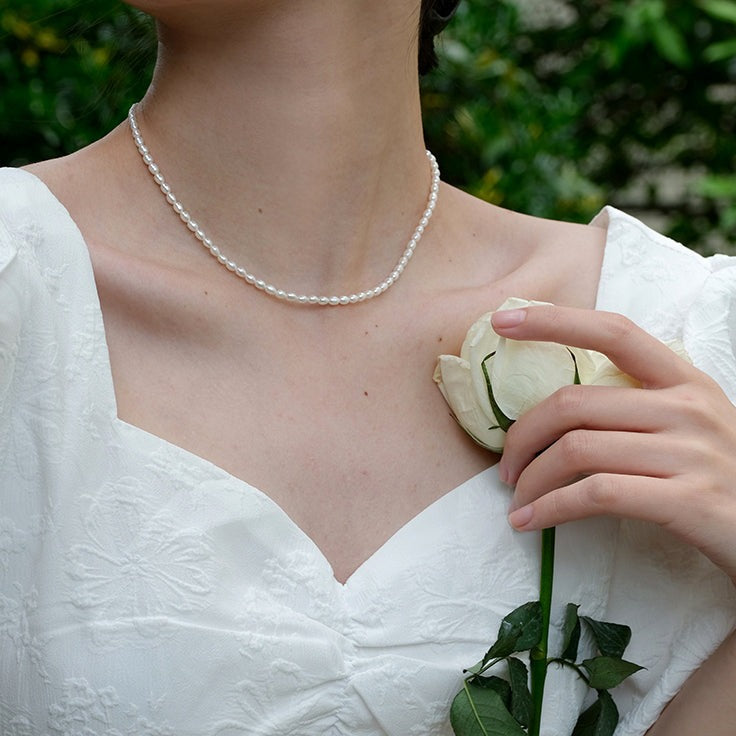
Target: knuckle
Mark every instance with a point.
(575, 446)
(568, 401)
(601, 492)
(618, 326)
(691, 407)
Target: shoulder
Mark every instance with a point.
(528, 256)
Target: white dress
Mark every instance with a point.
(145, 591)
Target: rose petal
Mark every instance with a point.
(525, 373)
(480, 342)
(600, 371)
(453, 377)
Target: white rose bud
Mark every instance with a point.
(495, 380)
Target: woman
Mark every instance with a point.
(152, 591)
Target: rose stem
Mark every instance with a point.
(538, 655)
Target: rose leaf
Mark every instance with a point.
(521, 698)
(479, 711)
(607, 672)
(600, 719)
(519, 631)
(611, 639)
(570, 633)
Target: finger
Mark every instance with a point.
(603, 494)
(702, 519)
(599, 408)
(632, 349)
(584, 452)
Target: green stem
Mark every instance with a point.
(538, 663)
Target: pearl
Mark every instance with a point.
(270, 289)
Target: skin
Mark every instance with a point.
(291, 131)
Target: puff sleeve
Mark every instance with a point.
(12, 296)
(679, 605)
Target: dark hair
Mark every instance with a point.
(434, 16)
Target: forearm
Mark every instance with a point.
(710, 692)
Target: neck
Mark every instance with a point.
(297, 123)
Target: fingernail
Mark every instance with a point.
(508, 318)
(503, 473)
(521, 517)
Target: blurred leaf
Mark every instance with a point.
(720, 51)
(722, 9)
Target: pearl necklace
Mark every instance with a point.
(260, 284)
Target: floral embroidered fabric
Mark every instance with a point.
(145, 591)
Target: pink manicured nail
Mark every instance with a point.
(507, 318)
(521, 517)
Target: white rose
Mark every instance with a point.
(495, 380)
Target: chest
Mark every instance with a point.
(344, 429)
(334, 415)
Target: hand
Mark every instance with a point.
(665, 453)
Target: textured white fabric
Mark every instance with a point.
(146, 591)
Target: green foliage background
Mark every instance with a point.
(548, 111)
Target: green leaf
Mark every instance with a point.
(479, 711)
(607, 672)
(519, 631)
(495, 683)
(723, 186)
(670, 43)
(611, 639)
(720, 50)
(570, 633)
(600, 719)
(521, 698)
(503, 421)
(721, 9)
